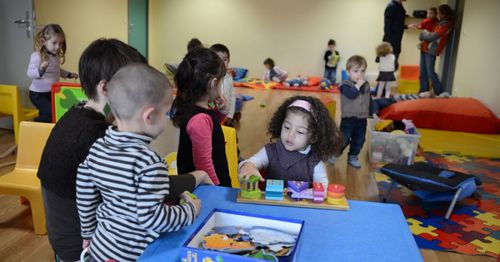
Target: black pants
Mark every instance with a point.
(42, 102)
(63, 226)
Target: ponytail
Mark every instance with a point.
(192, 79)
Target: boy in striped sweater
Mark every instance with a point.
(122, 184)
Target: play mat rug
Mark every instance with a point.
(474, 226)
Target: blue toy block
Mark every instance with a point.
(344, 75)
(274, 189)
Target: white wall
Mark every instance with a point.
(477, 71)
(294, 32)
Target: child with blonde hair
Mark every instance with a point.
(386, 66)
(45, 68)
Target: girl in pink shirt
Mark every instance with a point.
(201, 141)
(45, 68)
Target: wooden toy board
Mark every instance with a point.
(287, 201)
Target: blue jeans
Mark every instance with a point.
(353, 130)
(427, 64)
(42, 102)
(331, 74)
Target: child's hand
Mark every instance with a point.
(73, 76)
(247, 170)
(413, 26)
(44, 65)
(360, 82)
(85, 243)
(202, 177)
(196, 202)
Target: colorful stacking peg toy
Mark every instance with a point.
(250, 188)
(335, 194)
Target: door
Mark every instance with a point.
(17, 22)
(138, 25)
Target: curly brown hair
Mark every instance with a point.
(44, 35)
(384, 49)
(325, 138)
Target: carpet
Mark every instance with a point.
(474, 226)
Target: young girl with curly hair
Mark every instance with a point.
(305, 136)
(45, 68)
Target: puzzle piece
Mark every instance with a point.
(417, 228)
(448, 240)
(491, 245)
(379, 177)
(469, 249)
(473, 224)
(457, 158)
(412, 211)
(427, 244)
(488, 218)
(494, 234)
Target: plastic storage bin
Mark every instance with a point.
(391, 148)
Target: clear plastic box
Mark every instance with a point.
(386, 147)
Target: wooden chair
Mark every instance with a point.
(22, 181)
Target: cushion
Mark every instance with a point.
(314, 80)
(239, 73)
(453, 114)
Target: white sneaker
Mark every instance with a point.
(353, 161)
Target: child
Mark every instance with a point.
(386, 66)
(355, 107)
(273, 73)
(305, 136)
(45, 68)
(427, 24)
(122, 184)
(201, 141)
(227, 89)
(331, 58)
(70, 141)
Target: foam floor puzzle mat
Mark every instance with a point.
(474, 226)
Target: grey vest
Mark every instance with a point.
(358, 107)
(289, 165)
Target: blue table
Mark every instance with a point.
(367, 232)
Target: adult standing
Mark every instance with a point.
(433, 44)
(394, 26)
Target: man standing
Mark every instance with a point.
(394, 26)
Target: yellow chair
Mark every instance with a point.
(22, 181)
(231, 154)
(171, 160)
(10, 104)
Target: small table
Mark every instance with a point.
(366, 232)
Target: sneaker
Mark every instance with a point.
(353, 161)
(444, 95)
(332, 159)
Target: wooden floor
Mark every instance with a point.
(19, 243)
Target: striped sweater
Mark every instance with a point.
(121, 186)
